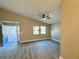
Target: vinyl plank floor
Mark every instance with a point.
(44, 49)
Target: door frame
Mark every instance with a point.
(13, 23)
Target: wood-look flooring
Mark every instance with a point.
(46, 49)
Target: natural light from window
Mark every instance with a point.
(43, 29)
(36, 30)
(39, 30)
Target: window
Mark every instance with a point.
(43, 29)
(35, 30)
(39, 30)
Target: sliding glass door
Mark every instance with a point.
(10, 33)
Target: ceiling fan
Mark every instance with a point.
(45, 16)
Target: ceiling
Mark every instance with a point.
(33, 8)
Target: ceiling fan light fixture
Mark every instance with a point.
(45, 16)
(44, 19)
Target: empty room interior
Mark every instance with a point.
(39, 29)
(30, 29)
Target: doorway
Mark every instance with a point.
(10, 31)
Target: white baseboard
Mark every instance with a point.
(33, 40)
(39, 40)
(56, 40)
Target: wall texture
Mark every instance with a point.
(70, 29)
(25, 25)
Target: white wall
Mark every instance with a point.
(55, 31)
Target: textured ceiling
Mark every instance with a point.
(33, 8)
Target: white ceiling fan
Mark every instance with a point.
(45, 16)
